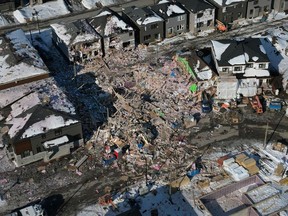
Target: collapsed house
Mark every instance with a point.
(242, 64)
(77, 41)
(115, 32)
(21, 62)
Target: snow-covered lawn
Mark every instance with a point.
(45, 11)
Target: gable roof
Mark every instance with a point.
(19, 59)
(109, 23)
(142, 16)
(196, 5)
(233, 52)
(167, 9)
(38, 120)
(75, 32)
(224, 3)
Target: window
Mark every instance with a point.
(261, 65)
(250, 65)
(237, 68)
(256, 2)
(25, 154)
(180, 27)
(154, 26)
(251, 12)
(147, 37)
(225, 70)
(209, 22)
(239, 14)
(58, 132)
(170, 30)
(43, 136)
(130, 33)
(180, 18)
(200, 24)
(199, 15)
(266, 8)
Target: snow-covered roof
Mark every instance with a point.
(26, 109)
(24, 104)
(251, 72)
(19, 59)
(219, 48)
(49, 123)
(167, 9)
(47, 92)
(108, 23)
(227, 2)
(149, 19)
(75, 32)
(142, 16)
(196, 5)
(241, 52)
(55, 142)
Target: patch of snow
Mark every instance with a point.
(55, 142)
(62, 33)
(174, 9)
(227, 88)
(24, 48)
(238, 60)
(255, 58)
(49, 123)
(262, 49)
(17, 125)
(163, 1)
(47, 10)
(103, 13)
(10, 73)
(115, 23)
(219, 48)
(227, 2)
(89, 4)
(3, 21)
(251, 72)
(149, 19)
(24, 104)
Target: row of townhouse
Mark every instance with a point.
(84, 40)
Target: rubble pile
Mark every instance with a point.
(150, 128)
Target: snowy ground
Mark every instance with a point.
(3, 21)
(158, 199)
(45, 11)
(89, 4)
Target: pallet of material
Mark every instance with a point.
(252, 170)
(248, 163)
(240, 158)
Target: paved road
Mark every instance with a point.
(72, 16)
